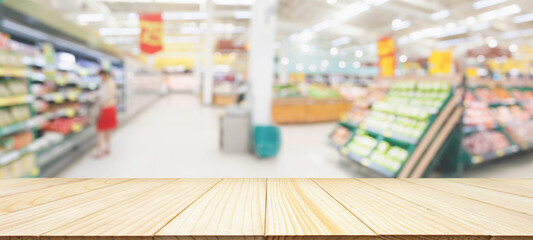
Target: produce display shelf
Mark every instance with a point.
(53, 152)
(391, 135)
(19, 72)
(491, 156)
(15, 100)
(24, 125)
(369, 164)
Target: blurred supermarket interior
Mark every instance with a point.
(268, 88)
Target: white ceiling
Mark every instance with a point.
(295, 16)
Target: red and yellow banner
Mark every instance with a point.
(151, 38)
(387, 56)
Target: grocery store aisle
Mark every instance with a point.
(176, 137)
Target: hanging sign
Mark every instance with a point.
(440, 62)
(387, 56)
(151, 38)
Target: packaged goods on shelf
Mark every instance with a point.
(362, 145)
(341, 135)
(509, 114)
(483, 142)
(478, 114)
(521, 134)
(25, 166)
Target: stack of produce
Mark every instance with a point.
(341, 136)
(391, 158)
(362, 145)
(486, 95)
(477, 114)
(66, 125)
(286, 91)
(16, 141)
(523, 95)
(484, 142)
(521, 133)
(512, 114)
(13, 115)
(504, 96)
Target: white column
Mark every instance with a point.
(208, 55)
(197, 74)
(261, 61)
(283, 72)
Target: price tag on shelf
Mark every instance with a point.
(477, 159)
(387, 133)
(58, 98)
(70, 112)
(344, 151)
(76, 127)
(524, 146)
(365, 162)
(72, 96)
(500, 153)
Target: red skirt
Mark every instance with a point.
(107, 120)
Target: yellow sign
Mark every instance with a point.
(440, 62)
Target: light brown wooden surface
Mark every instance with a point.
(257, 209)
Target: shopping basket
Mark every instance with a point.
(267, 141)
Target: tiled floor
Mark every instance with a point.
(176, 137)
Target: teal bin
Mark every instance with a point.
(267, 141)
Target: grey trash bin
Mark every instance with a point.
(235, 134)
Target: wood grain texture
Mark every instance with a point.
(388, 214)
(155, 207)
(497, 185)
(520, 181)
(299, 207)
(505, 200)
(233, 208)
(43, 218)
(483, 216)
(20, 185)
(24, 200)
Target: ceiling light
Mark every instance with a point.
(321, 25)
(333, 51)
(305, 48)
(324, 63)
(299, 67)
(471, 20)
(493, 43)
(523, 18)
(342, 64)
(403, 58)
(440, 15)
(234, 2)
(331, 2)
(359, 53)
(356, 65)
(168, 16)
(450, 32)
(285, 61)
(486, 3)
(518, 33)
(180, 1)
(306, 35)
(513, 47)
(341, 41)
(379, 2)
(500, 13)
(242, 15)
(398, 24)
(91, 17)
(181, 39)
(119, 31)
(351, 10)
(480, 58)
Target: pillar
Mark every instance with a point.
(207, 90)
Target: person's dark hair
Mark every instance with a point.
(103, 72)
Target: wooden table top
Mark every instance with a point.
(256, 209)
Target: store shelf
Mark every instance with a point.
(491, 156)
(14, 72)
(392, 135)
(366, 163)
(15, 100)
(49, 154)
(477, 128)
(27, 124)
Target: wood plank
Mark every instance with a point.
(233, 208)
(40, 219)
(37, 197)
(388, 214)
(520, 181)
(436, 145)
(156, 208)
(497, 185)
(20, 185)
(300, 208)
(505, 200)
(494, 221)
(430, 134)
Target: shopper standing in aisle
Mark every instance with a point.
(107, 121)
